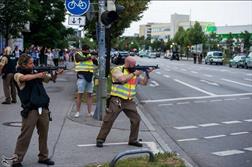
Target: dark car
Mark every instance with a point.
(238, 61)
(119, 57)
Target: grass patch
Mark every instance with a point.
(161, 160)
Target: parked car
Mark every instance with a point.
(248, 61)
(238, 61)
(214, 57)
(152, 55)
(119, 57)
(143, 53)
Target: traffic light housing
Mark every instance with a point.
(112, 13)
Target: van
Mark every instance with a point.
(214, 57)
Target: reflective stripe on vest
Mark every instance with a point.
(84, 65)
(127, 90)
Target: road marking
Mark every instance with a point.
(187, 102)
(217, 100)
(194, 87)
(249, 74)
(166, 76)
(248, 120)
(207, 75)
(195, 98)
(229, 99)
(244, 98)
(238, 133)
(228, 152)
(212, 137)
(248, 149)
(154, 84)
(190, 139)
(167, 70)
(231, 122)
(183, 69)
(239, 83)
(194, 72)
(169, 104)
(209, 124)
(185, 127)
(209, 83)
(158, 72)
(247, 79)
(200, 101)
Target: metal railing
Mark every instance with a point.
(131, 152)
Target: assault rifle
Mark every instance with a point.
(49, 69)
(144, 69)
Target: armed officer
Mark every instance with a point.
(35, 103)
(123, 90)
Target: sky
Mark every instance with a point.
(220, 12)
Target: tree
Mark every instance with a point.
(46, 24)
(247, 39)
(13, 16)
(196, 35)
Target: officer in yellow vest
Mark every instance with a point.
(84, 66)
(123, 90)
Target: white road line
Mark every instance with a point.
(231, 122)
(194, 87)
(228, 152)
(195, 98)
(248, 149)
(249, 74)
(244, 98)
(166, 76)
(209, 83)
(185, 127)
(217, 100)
(167, 70)
(207, 75)
(209, 124)
(158, 72)
(200, 101)
(169, 104)
(187, 102)
(153, 84)
(248, 120)
(183, 69)
(238, 133)
(239, 83)
(247, 79)
(212, 137)
(194, 72)
(229, 99)
(189, 139)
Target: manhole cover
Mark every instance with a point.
(13, 124)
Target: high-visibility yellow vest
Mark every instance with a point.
(125, 91)
(84, 65)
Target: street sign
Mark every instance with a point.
(77, 7)
(77, 20)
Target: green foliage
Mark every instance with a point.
(13, 16)
(161, 160)
(46, 24)
(247, 39)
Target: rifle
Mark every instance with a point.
(48, 69)
(144, 68)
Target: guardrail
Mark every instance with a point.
(131, 152)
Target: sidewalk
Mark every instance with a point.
(71, 141)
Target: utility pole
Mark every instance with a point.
(101, 93)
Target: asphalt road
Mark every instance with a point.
(201, 111)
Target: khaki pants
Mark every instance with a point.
(9, 88)
(116, 105)
(28, 125)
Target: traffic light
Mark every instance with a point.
(112, 13)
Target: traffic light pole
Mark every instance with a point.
(101, 93)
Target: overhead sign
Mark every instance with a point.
(77, 20)
(77, 7)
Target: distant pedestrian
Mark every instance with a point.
(35, 113)
(7, 70)
(17, 52)
(123, 90)
(84, 66)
